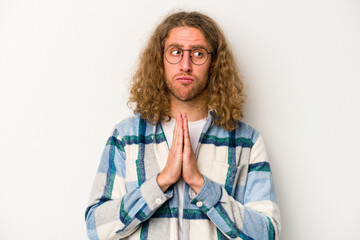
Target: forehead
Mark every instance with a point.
(186, 37)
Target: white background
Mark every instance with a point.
(65, 68)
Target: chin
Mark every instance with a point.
(186, 98)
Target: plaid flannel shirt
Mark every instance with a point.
(237, 200)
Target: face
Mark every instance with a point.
(185, 80)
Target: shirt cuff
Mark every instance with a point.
(208, 196)
(152, 193)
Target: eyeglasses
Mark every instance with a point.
(198, 56)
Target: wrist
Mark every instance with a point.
(162, 182)
(197, 183)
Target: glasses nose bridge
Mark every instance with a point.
(183, 51)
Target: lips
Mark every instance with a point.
(184, 79)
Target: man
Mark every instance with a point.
(185, 166)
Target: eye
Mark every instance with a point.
(175, 52)
(198, 53)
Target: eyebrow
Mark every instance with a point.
(191, 46)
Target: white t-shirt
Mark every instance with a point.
(195, 129)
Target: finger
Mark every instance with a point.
(176, 124)
(178, 141)
(181, 134)
(185, 124)
(187, 144)
(176, 131)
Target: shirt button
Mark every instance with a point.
(199, 204)
(158, 201)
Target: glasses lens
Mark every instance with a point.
(173, 55)
(199, 56)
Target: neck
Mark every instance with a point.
(195, 109)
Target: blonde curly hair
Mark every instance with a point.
(225, 94)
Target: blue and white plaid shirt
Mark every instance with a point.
(237, 201)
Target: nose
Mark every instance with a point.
(185, 63)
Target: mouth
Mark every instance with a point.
(184, 79)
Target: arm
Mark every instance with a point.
(113, 211)
(256, 216)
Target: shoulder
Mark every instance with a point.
(133, 126)
(244, 135)
(127, 127)
(255, 142)
(246, 131)
(129, 122)
(243, 131)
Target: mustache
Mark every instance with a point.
(183, 75)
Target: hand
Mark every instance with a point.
(181, 159)
(190, 170)
(172, 170)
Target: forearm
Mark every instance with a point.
(120, 216)
(234, 219)
(117, 206)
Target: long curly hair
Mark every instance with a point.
(225, 93)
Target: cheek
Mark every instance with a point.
(205, 72)
(167, 70)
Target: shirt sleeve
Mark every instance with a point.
(256, 215)
(115, 210)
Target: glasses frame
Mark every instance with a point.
(190, 51)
